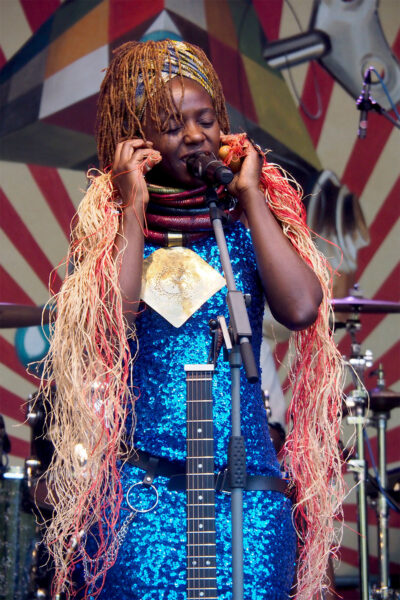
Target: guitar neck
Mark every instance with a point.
(201, 565)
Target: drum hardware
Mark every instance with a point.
(381, 402)
(20, 315)
(32, 466)
(356, 405)
(41, 573)
(35, 492)
(17, 537)
(267, 405)
(358, 304)
(5, 446)
(357, 362)
(35, 414)
(392, 489)
(38, 416)
(26, 570)
(358, 466)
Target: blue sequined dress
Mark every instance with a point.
(151, 563)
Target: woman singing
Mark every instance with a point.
(134, 310)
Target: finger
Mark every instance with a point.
(123, 151)
(136, 142)
(133, 140)
(129, 147)
(135, 160)
(232, 186)
(256, 147)
(142, 160)
(117, 156)
(151, 160)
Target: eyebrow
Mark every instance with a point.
(177, 116)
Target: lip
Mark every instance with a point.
(185, 157)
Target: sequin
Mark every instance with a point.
(151, 561)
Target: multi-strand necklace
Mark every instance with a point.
(180, 217)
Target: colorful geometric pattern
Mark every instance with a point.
(50, 86)
(53, 56)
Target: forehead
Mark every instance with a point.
(183, 95)
(184, 90)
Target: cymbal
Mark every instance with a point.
(383, 400)
(379, 401)
(353, 304)
(20, 315)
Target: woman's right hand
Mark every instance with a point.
(133, 159)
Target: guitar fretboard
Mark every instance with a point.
(201, 567)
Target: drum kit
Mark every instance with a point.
(363, 409)
(23, 491)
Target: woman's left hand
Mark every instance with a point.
(248, 178)
(293, 293)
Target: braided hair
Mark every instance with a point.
(134, 90)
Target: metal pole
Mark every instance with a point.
(362, 514)
(359, 467)
(237, 493)
(383, 510)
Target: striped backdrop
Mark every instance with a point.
(38, 201)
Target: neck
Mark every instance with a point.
(173, 212)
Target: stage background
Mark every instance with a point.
(52, 55)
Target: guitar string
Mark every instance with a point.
(191, 510)
(201, 383)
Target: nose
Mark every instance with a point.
(193, 133)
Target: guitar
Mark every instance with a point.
(201, 583)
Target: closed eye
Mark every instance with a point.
(207, 123)
(173, 130)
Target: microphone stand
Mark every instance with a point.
(242, 352)
(365, 103)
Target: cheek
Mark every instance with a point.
(167, 158)
(164, 147)
(170, 165)
(169, 153)
(217, 137)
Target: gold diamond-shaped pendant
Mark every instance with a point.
(176, 282)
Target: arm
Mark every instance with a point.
(129, 243)
(291, 288)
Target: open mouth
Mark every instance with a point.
(186, 157)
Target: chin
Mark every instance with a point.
(179, 180)
(190, 183)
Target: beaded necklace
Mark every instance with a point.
(177, 217)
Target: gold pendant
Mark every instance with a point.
(176, 282)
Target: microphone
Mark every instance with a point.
(209, 169)
(364, 105)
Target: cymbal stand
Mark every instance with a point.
(356, 401)
(382, 511)
(379, 420)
